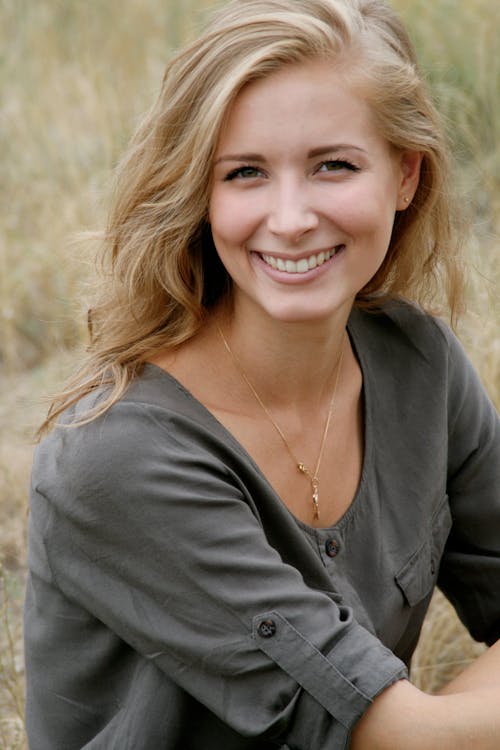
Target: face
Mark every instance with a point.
(304, 194)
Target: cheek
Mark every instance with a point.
(369, 212)
(230, 218)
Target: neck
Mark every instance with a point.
(288, 363)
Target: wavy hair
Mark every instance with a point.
(162, 274)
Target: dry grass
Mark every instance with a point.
(21, 409)
(11, 686)
(75, 77)
(445, 647)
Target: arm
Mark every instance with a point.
(469, 574)
(463, 716)
(483, 674)
(148, 529)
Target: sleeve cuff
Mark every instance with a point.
(345, 680)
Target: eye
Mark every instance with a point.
(337, 165)
(245, 173)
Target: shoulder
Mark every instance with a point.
(400, 334)
(154, 403)
(400, 320)
(414, 355)
(402, 343)
(155, 427)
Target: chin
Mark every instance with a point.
(293, 314)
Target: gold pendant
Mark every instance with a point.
(315, 486)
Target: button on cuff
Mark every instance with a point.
(266, 628)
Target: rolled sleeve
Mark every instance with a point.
(345, 680)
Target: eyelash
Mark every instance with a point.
(238, 172)
(339, 164)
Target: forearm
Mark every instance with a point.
(401, 718)
(465, 714)
(482, 674)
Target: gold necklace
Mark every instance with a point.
(311, 475)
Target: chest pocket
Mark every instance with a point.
(418, 575)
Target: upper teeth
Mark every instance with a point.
(299, 266)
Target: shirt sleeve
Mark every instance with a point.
(152, 534)
(470, 569)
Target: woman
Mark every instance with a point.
(270, 457)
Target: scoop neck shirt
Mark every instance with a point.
(174, 601)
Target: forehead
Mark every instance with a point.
(297, 104)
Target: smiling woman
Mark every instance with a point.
(304, 194)
(273, 452)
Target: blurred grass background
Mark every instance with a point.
(75, 76)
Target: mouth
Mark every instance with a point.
(303, 265)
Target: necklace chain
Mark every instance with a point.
(311, 475)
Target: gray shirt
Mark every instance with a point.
(174, 602)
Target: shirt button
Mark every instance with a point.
(332, 547)
(267, 628)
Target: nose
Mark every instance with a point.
(290, 215)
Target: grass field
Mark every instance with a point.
(75, 75)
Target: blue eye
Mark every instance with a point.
(246, 172)
(337, 165)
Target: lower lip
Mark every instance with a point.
(296, 278)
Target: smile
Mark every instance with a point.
(304, 264)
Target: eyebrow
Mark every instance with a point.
(322, 150)
(239, 157)
(319, 151)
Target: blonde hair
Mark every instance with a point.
(162, 273)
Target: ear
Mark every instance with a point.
(409, 166)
